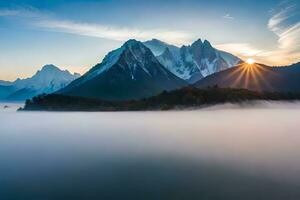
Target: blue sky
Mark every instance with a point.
(76, 34)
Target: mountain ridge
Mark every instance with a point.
(192, 62)
(256, 77)
(47, 80)
(129, 72)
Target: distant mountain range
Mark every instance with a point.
(192, 62)
(256, 77)
(140, 70)
(47, 80)
(130, 72)
(5, 83)
(240, 84)
(135, 70)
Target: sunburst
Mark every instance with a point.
(250, 61)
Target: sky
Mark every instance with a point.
(77, 34)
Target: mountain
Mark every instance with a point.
(158, 47)
(5, 83)
(47, 80)
(192, 62)
(6, 90)
(256, 77)
(130, 72)
(22, 94)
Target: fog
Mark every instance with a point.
(248, 151)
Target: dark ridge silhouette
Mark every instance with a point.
(182, 98)
(257, 77)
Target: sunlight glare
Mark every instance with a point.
(250, 61)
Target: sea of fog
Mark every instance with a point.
(222, 152)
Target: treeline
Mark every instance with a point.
(182, 98)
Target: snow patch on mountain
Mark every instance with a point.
(109, 60)
(130, 72)
(158, 47)
(192, 62)
(135, 48)
(230, 59)
(47, 80)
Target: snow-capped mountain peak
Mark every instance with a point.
(136, 48)
(49, 79)
(50, 67)
(132, 47)
(197, 43)
(192, 62)
(206, 43)
(131, 43)
(158, 47)
(130, 72)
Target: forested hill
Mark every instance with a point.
(182, 98)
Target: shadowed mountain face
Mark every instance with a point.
(6, 90)
(192, 62)
(130, 72)
(256, 77)
(5, 83)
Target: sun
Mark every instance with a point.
(250, 61)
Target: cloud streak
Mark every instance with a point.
(113, 33)
(279, 17)
(240, 49)
(228, 16)
(27, 12)
(47, 22)
(6, 12)
(285, 24)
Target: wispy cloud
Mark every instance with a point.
(27, 12)
(113, 32)
(289, 38)
(285, 24)
(243, 50)
(280, 17)
(228, 16)
(6, 12)
(48, 22)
